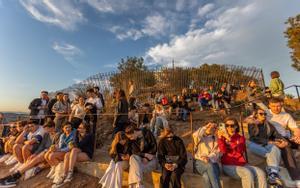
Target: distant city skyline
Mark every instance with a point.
(50, 45)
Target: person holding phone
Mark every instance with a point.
(172, 157)
(120, 153)
(265, 141)
(232, 147)
(207, 154)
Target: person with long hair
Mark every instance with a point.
(60, 108)
(207, 155)
(232, 147)
(159, 120)
(120, 153)
(172, 157)
(121, 112)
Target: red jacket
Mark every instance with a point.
(233, 151)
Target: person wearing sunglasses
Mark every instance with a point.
(265, 141)
(232, 147)
(207, 155)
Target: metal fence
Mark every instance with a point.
(172, 80)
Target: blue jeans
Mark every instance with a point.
(250, 175)
(156, 126)
(270, 152)
(210, 173)
(183, 113)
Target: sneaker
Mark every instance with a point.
(69, 177)
(59, 182)
(14, 169)
(274, 179)
(31, 172)
(9, 182)
(5, 158)
(51, 173)
(12, 161)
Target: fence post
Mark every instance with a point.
(191, 126)
(297, 93)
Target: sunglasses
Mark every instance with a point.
(13, 127)
(230, 125)
(262, 114)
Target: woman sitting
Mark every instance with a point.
(56, 153)
(232, 147)
(78, 113)
(82, 150)
(207, 155)
(120, 153)
(159, 120)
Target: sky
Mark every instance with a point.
(52, 44)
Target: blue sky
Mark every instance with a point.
(51, 44)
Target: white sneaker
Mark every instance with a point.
(9, 159)
(51, 173)
(30, 173)
(12, 170)
(59, 182)
(12, 161)
(5, 158)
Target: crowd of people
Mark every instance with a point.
(61, 133)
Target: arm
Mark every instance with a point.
(161, 153)
(21, 138)
(240, 147)
(222, 145)
(182, 154)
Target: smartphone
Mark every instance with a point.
(222, 128)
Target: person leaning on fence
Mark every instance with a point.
(121, 112)
(78, 112)
(266, 142)
(207, 155)
(255, 95)
(172, 157)
(143, 159)
(159, 120)
(232, 147)
(36, 161)
(120, 152)
(276, 85)
(38, 107)
(57, 152)
(100, 96)
(82, 150)
(287, 127)
(51, 103)
(60, 108)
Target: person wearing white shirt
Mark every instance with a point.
(288, 128)
(78, 113)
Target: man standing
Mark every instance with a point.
(39, 107)
(286, 126)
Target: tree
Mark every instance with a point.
(132, 69)
(292, 33)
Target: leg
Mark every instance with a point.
(35, 161)
(77, 156)
(165, 178)
(210, 173)
(17, 151)
(259, 176)
(240, 172)
(290, 162)
(26, 152)
(66, 162)
(176, 178)
(135, 171)
(56, 157)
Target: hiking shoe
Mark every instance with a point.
(69, 177)
(274, 179)
(8, 182)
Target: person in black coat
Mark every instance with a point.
(121, 112)
(172, 157)
(143, 159)
(120, 152)
(39, 107)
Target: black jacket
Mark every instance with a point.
(33, 107)
(122, 111)
(121, 150)
(172, 150)
(145, 144)
(85, 144)
(50, 105)
(267, 132)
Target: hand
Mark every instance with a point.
(52, 148)
(169, 166)
(125, 157)
(295, 139)
(31, 157)
(281, 143)
(145, 161)
(149, 156)
(205, 159)
(174, 166)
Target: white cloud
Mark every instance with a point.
(68, 51)
(208, 43)
(101, 5)
(205, 9)
(63, 14)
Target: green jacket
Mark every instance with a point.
(276, 87)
